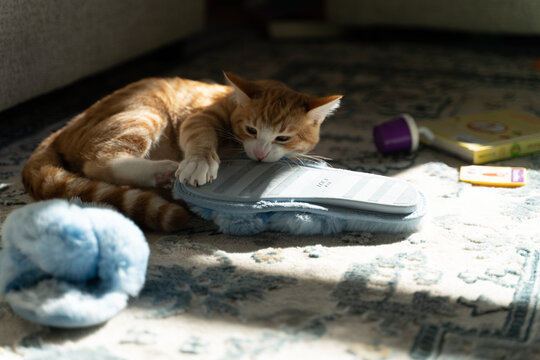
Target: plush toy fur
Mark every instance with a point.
(69, 264)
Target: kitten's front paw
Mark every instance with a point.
(196, 171)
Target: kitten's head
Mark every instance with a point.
(274, 121)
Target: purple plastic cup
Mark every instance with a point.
(399, 134)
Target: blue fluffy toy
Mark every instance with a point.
(69, 264)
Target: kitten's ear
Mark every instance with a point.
(321, 107)
(244, 90)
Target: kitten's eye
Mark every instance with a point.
(282, 138)
(251, 130)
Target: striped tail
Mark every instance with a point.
(44, 177)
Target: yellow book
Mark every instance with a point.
(485, 137)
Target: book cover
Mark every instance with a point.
(485, 137)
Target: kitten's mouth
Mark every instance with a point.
(266, 159)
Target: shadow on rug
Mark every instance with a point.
(464, 286)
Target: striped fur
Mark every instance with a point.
(126, 148)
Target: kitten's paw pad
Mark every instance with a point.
(164, 172)
(164, 178)
(197, 172)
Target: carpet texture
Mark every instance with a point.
(465, 286)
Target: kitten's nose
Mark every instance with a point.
(260, 155)
(262, 149)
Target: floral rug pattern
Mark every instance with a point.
(465, 286)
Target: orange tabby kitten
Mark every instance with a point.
(127, 146)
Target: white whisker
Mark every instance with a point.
(302, 158)
(317, 159)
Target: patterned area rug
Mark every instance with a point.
(465, 286)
